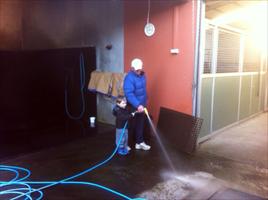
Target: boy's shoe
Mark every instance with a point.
(128, 148)
(122, 151)
(143, 146)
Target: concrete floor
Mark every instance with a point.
(239, 155)
(231, 165)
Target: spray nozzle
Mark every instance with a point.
(146, 111)
(134, 113)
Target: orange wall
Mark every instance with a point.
(169, 77)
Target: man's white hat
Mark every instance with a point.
(136, 63)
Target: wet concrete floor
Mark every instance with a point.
(146, 174)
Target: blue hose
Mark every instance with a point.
(22, 188)
(82, 86)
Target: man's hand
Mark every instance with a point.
(140, 108)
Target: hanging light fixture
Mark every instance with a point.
(149, 28)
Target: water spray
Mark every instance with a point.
(160, 141)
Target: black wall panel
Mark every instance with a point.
(33, 84)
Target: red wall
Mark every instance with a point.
(169, 77)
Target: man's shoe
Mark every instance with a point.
(143, 146)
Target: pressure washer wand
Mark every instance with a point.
(146, 112)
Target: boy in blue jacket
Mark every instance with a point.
(122, 116)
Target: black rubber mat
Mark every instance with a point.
(179, 129)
